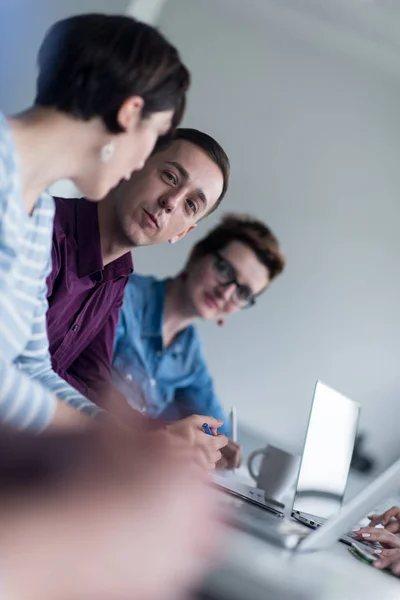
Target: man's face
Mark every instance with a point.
(177, 187)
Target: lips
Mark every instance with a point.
(152, 218)
(210, 301)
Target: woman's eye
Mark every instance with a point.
(223, 267)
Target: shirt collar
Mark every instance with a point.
(154, 311)
(90, 259)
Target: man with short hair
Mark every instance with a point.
(183, 181)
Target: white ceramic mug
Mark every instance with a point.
(277, 473)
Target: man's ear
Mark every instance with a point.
(178, 237)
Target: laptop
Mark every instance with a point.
(295, 536)
(322, 477)
(327, 453)
(325, 461)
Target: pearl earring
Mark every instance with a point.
(107, 152)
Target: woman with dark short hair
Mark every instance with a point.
(108, 87)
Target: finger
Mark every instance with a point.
(396, 567)
(371, 534)
(223, 463)
(220, 441)
(393, 525)
(217, 457)
(389, 562)
(382, 563)
(238, 458)
(392, 513)
(387, 551)
(233, 453)
(214, 424)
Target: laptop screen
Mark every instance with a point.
(327, 453)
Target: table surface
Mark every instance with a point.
(252, 568)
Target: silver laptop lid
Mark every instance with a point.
(328, 449)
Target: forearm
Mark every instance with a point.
(113, 401)
(24, 403)
(42, 372)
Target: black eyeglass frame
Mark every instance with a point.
(233, 280)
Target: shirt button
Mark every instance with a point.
(75, 327)
(152, 382)
(128, 377)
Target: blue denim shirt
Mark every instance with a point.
(169, 383)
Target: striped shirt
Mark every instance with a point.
(28, 384)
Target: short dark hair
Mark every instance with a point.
(251, 232)
(90, 64)
(206, 143)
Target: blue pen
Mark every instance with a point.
(207, 429)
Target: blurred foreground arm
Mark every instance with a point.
(99, 515)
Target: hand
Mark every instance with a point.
(388, 559)
(373, 534)
(389, 519)
(231, 456)
(190, 429)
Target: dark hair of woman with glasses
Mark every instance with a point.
(159, 364)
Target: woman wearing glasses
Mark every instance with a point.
(158, 362)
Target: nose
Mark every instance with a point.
(226, 292)
(170, 201)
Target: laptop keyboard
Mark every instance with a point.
(314, 523)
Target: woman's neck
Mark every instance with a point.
(177, 312)
(50, 146)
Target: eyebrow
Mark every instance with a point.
(185, 174)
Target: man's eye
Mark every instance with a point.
(170, 177)
(192, 206)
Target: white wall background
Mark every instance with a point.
(314, 141)
(23, 24)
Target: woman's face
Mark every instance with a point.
(129, 152)
(223, 283)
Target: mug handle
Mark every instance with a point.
(250, 461)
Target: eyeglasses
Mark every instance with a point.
(226, 275)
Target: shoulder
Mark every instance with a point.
(194, 335)
(44, 209)
(7, 148)
(140, 292)
(9, 170)
(193, 343)
(142, 282)
(65, 215)
(141, 286)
